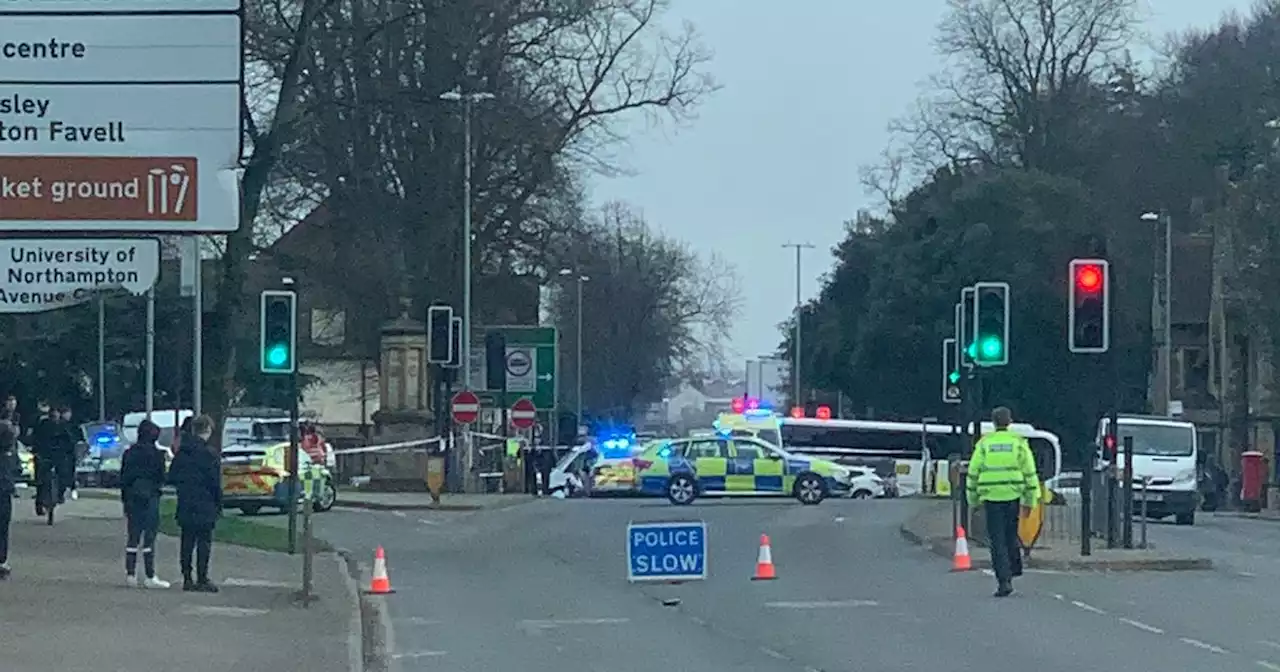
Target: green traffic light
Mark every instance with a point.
(954, 377)
(972, 350)
(991, 348)
(277, 355)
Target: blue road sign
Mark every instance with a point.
(672, 551)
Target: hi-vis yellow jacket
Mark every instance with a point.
(1003, 469)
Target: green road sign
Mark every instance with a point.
(530, 363)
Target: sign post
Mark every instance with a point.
(668, 551)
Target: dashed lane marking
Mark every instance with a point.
(1269, 665)
(230, 612)
(831, 604)
(1142, 626)
(1202, 645)
(1087, 607)
(1246, 574)
(419, 654)
(1267, 642)
(424, 521)
(771, 653)
(399, 514)
(418, 620)
(556, 623)
(255, 583)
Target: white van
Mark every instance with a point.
(1164, 451)
(169, 420)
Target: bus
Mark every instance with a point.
(903, 450)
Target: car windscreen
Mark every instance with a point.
(1159, 440)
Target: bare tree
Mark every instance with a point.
(1018, 74)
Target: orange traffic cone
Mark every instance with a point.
(381, 583)
(764, 562)
(961, 562)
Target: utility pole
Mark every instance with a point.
(1161, 311)
(795, 345)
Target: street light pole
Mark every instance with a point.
(795, 347)
(467, 100)
(578, 342)
(1162, 311)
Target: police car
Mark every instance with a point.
(685, 469)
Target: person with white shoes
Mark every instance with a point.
(142, 473)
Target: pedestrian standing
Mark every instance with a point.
(9, 468)
(68, 438)
(141, 477)
(546, 463)
(1003, 480)
(196, 472)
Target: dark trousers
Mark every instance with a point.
(44, 469)
(143, 523)
(1002, 539)
(196, 541)
(6, 515)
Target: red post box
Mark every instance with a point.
(1252, 476)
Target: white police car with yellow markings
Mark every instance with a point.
(685, 469)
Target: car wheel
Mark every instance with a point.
(682, 489)
(250, 509)
(810, 489)
(328, 496)
(862, 494)
(1188, 518)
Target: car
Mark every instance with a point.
(866, 484)
(1065, 488)
(255, 476)
(685, 469)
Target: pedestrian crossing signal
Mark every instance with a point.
(950, 372)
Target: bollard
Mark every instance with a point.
(1146, 480)
(308, 552)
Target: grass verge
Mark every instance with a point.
(236, 530)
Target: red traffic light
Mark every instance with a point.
(1089, 278)
(797, 411)
(1110, 442)
(739, 404)
(823, 413)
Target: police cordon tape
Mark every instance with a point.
(420, 444)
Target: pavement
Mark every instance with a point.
(66, 607)
(542, 588)
(931, 527)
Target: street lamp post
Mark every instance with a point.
(795, 346)
(578, 342)
(1162, 311)
(467, 100)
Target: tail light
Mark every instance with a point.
(641, 465)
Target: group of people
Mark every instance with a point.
(195, 473)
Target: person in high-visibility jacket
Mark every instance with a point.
(1003, 480)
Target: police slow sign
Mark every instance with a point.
(667, 551)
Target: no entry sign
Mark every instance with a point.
(523, 413)
(465, 407)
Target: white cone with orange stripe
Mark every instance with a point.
(765, 571)
(380, 584)
(962, 562)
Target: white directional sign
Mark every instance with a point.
(136, 118)
(104, 6)
(41, 275)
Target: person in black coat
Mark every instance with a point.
(196, 472)
(141, 476)
(9, 469)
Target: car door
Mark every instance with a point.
(768, 467)
(710, 459)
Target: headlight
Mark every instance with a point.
(1185, 476)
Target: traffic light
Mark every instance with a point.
(991, 328)
(439, 336)
(964, 336)
(1089, 306)
(455, 337)
(278, 335)
(495, 360)
(950, 372)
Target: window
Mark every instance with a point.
(328, 326)
(748, 450)
(888, 443)
(1190, 370)
(701, 449)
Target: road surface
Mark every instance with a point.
(541, 587)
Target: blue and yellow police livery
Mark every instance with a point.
(685, 469)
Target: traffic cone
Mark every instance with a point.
(961, 562)
(381, 583)
(764, 562)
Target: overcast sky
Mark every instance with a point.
(809, 88)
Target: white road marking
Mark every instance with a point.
(1087, 607)
(839, 519)
(556, 623)
(1267, 642)
(1202, 645)
(255, 583)
(988, 572)
(418, 620)
(770, 652)
(1058, 597)
(1269, 665)
(399, 514)
(1142, 626)
(1248, 574)
(424, 521)
(838, 604)
(418, 654)
(232, 612)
